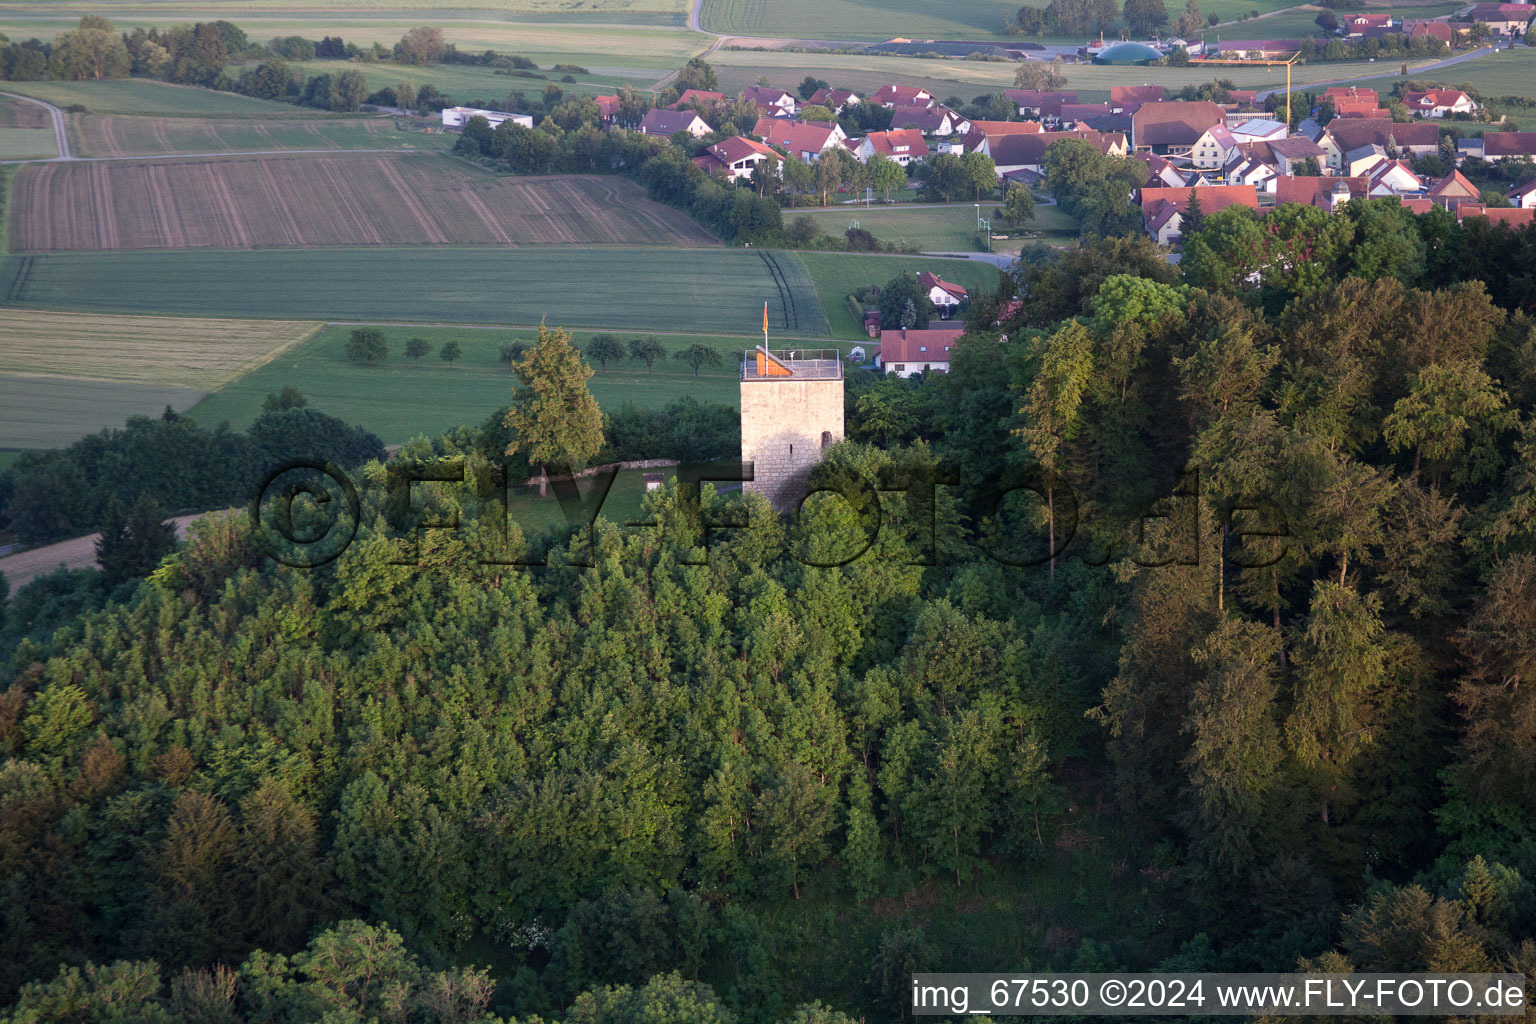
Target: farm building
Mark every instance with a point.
(458, 117)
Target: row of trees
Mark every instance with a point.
(46, 496)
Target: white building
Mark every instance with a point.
(458, 117)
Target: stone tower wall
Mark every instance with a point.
(782, 425)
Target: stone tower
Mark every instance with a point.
(791, 411)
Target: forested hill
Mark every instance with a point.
(679, 785)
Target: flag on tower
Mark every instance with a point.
(765, 321)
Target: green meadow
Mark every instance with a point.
(401, 398)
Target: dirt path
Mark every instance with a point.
(60, 138)
(80, 553)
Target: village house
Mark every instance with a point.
(1125, 99)
(1346, 137)
(935, 120)
(1327, 193)
(1214, 148)
(1499, 146)
(1524, 196)
(1513, 217)
(699, 96)
(1161, 173)
(903, 145)
(1163, 209)
(1259, 129)
(1072, 114)
(659, 121)
(803, 140)
(1173, 127)
(607, 109)
(1027, 152)
(1246, 169)
(1453, 190)
(770, 101)
(1039, 102)
(893, 96)
(1438, 103)
(1430, 29)
(1356, 25)
(738, 156)
(1390, 178)
(946, 296)
(1288, 155)
(1511, 20)
(904, 353)
(835, 100)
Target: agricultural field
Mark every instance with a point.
(967, 79)
(27, 144)
(401, 399)
(306, 200)
(704, 290)
(64, 375)
(177, 351)
(657, 40)
(52, 412)
(838, 274)
(21, 114)
(131, 135)
(933, 228)
(851, 19)
(147, 96)
(467, 83)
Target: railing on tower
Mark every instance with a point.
(792, 364)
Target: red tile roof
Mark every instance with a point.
(1308, 189)
(1212, 197)
(1174, 122)
(739, 147)
(706, 98)
(928, 281)
(901, 140)
(1514, 217)
(902, 96)
(1509, 144)
(926, 346)
(1131, 96)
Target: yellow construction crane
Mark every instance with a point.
(1200, 61)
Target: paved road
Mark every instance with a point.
(79, 553)
(1412, 72)
(60, 137)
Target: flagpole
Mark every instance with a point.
(765, 324)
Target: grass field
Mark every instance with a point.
(51, 412)
(169, 351)
(1506, 73)
(936, 229)
(704, 290)
(401, 399)
(147, 96)
(139, 135)
(26, 143)
(838, 274)
(309, 200)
